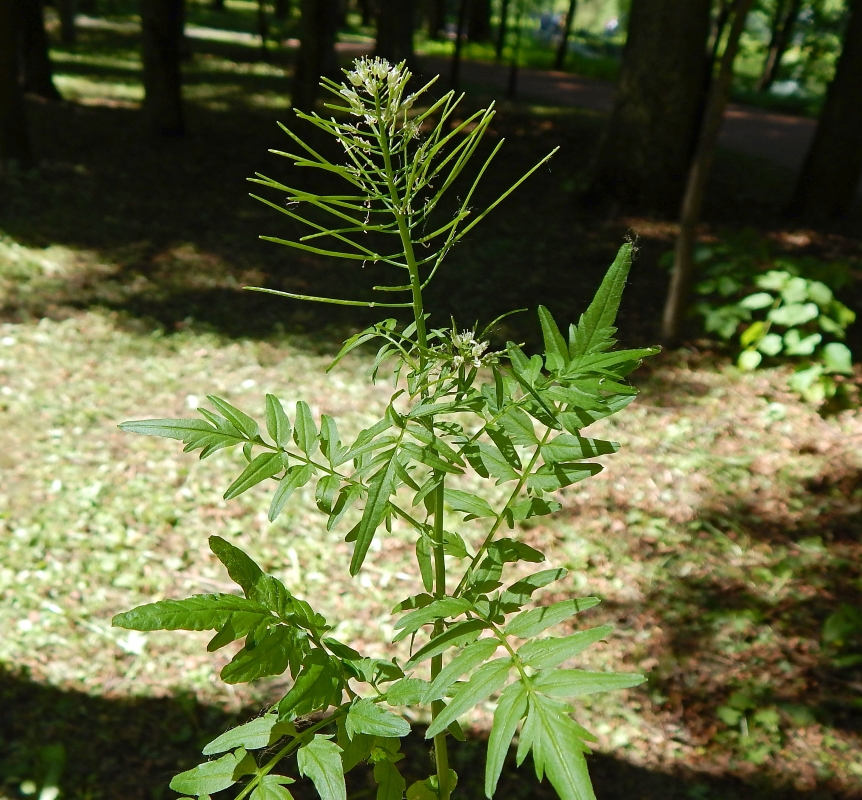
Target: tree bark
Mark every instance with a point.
(33, 43)
(14, 136)
(435, 15)
(66, 9)
(644, 158)
(786, 13)
(460, 24)
(395, 24)
(830, 176)
(502, 28)
(162, 31)
(512, 84)
(698, 175)
(560, 60)
(316, 57)
(479, 21)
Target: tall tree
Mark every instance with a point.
(698, 175)
(162, 33)
(435, 16)
(66, 9)
(502, 29)
(316, 57)
(563, 46)
(786, 14)
(650, 139)
(395, 24)
(14, 136)
(33, 43)
(833, 166)
(479, 21)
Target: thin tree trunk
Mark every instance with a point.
(162, 30)
(14, 137)
(33, 43)
(721, 18)
(512, 85)
(395, 24)
(653, 129)
(829, 179)
(502, 28)
(698, 175)
(479, 21)
(435, 11)
(66, 10)
(316, 56)
(560, 60)
(281, 11)
(455, 75)
(785, 19)
(262, 28)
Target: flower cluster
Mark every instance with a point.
(463, 349)
(382, 83)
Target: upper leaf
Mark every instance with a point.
(530, 623)
(199, 613)
(365, 716)
(254, 735)
(320, 760)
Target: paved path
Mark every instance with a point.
(781, 138)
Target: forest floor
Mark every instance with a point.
(721, 538)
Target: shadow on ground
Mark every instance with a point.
(128, 749)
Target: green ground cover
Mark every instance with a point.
(721, 538)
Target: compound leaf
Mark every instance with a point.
(367, 717)
(320, 760)
(531, 623)
(510, 710)
(263, 466)
(551, 652)
(577, 682)
(471, 656)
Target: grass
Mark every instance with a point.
(721, 538)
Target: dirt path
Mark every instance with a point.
(781, 138)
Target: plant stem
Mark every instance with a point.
(441, 753)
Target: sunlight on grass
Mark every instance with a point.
(99, 92)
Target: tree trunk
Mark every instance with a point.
(512, 85)
(698, 175)
(281, 11)
(316, 55)
(33, 43)
(786, 14)
(560, 60)
(502, 28)
(162, 30)
(366, 8)
(650, 139)
(217, 5)
(262, 28)
(460, 24)
(479, 21)
(830, 176)
(435, 14)
(395, 24)
(14, 137)
(66, 10)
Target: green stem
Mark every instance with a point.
(441, 753)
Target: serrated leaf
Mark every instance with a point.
(439, 609)
(326, 492)
(482, 684)
(467, 503)
(317, 686)
(168, 428)
(260, 732)
(577, 682)
(531, 623)
(424, 559)
(268, 656)
(304, 429)
(212, 776)
(567, 447)
(550, 477)
(519, 427)
(521, 591)
(471, 656)
(459, 634)
(407, 692)
(277, 422)
(264, 466)
(320, 760)
(496, 463)
(271, 788)
(594, 332)
(256, 584)
(380, 488)
(365, 716)
(506, 447)
(552, 652)
(198, 613)
(239, 419)
(556, 351)
(390, 784)
(330, 441)
(295, 477)
(558, 750)
(533, 507)
(430, 458)
(510, 709)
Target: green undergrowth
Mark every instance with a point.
(719, 539)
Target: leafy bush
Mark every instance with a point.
(509, 418)
(780, 313)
